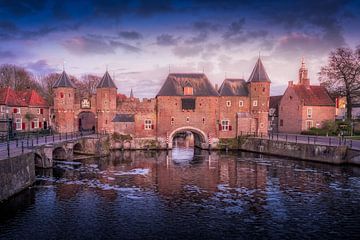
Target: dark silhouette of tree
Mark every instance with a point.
(17, 78)
(341, 75)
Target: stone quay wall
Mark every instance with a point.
(16, 174)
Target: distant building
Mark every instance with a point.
(22, 111)
(341, 108)
(274, 113)
(187, 102)
(304, 106)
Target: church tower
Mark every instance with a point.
(106, 103)
(64, 95)
(259, 90)
(303, 74)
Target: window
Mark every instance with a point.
(172, 120)
(290, 97)
(188, 104)
(241, 103)
(188, 91)
(255, 103)
(309, 113)
(264, 89)
(187, 119)
(203, 120)
(225, 126)
(36, 123)
(309, 124)
(3, 109)
(61, 95)
(16, 110)
(38, 111)
(228, 103)
(18, 124)
(148, 124)
(281, 122)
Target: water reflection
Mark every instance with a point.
(187, 192)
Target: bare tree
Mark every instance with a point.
(87, 85)
(47, 82)
(341, 75)
(17, 77)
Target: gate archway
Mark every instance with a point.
(200, 138)
(86, 121)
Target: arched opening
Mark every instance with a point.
(59, 153)
(188, 137)
(78, 148)
(86, 121)
(38, 160)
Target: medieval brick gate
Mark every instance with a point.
(200, 138)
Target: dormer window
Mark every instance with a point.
(188, 90)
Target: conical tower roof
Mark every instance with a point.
(64, 81)
(106, 81)
(131, 93)
(259, 74)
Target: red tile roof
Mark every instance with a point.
(9, 97)
(32, 98)
(313, 95)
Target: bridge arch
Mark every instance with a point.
(200, 137)
(78, 147)
(59, 153)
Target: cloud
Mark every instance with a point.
(40, 67)
(130, 35)
(205, 26)
(86, 45)
(235, 28)
(22, 7)
(6, 54)
(187, 51)
(166, 40)
(125, 46)
(200, 38)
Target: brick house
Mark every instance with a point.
(304, 106)
(186, 102)
(26, 110)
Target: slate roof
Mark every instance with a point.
(32, 98)
(9, 97)
(106, 81)
(64, 81)
(175, 83)
(234, 87)
(259, 74)
(313, 95)
(274, 101)
(124, 118)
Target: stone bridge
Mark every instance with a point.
(44, 155)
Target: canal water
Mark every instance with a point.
(187, 194)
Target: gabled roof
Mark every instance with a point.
(259, 74)
(32, 98)
(175, 83)
(313, 95)
(9, 97)
(274, 101)
(106, 81)
(233, 87)
(124, 118)
(64, 81)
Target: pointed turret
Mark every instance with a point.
(64, 81)
(259, 74)
(131, 94)
(303, 74)
(106, 82)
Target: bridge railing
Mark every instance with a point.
(308, 139)
(22, 145)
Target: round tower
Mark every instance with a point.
(106, 103)
(259, 92)
(64, 95)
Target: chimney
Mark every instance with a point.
(290, 83)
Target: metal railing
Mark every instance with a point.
(308, 139)
(19, 146)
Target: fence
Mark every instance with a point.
(21, 145)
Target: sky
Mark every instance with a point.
(140, 42)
